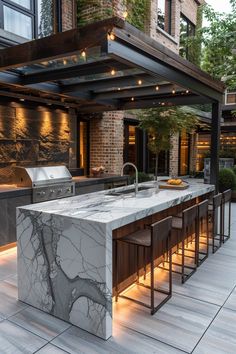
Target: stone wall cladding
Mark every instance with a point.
(28, 136)
(106, 141)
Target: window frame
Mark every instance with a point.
(23, 10)
(188, 34)
(168, 7)
(33, 14)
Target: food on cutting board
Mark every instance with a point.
(175, 181)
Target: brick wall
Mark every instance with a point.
(106, 141)
(189, 10)
(68, 14)
(174, 155)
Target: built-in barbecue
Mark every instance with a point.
(47, 182)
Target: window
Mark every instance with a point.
(187, 29)
(164, 15)
(28, 18)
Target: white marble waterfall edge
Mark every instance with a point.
(65, 251)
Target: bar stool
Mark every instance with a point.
(213, 209)
(202, 215)
(184, 226)
(226, 198)
(158, 233)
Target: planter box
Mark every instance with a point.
(223, 163)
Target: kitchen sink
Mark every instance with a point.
(129, 191)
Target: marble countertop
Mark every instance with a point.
(103, 207)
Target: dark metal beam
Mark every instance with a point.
(145, 103)
(116, 82)
(103, 65)
(140, 91)
(58, 45)
(215, 143)
(156, 67)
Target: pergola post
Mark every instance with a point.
(215, 143)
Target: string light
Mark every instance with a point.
(125, 14)
(187, 91)
(132, 98)
(83, 54)
(140, 82)
(163, 103)
(64, 61)
(119, 88)
(113, 72)
(173, 91)
(111, 36)
(157, 88)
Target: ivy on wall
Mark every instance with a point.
(195, 47)
(137, 11)
(99, 11)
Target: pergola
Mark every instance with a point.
(108, 66)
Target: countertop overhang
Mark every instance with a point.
(102, 207)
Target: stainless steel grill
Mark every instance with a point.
(47, 182)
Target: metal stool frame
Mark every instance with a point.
(159, 231)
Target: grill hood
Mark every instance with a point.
(40, 176)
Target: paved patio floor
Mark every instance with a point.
(199, 318)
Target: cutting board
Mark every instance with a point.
(164, 185)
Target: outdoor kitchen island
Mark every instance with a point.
(65, 249)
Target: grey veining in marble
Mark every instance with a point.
(65, 251)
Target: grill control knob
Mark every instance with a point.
(41, 193)
(52, 191)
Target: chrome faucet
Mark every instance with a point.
(136, 174)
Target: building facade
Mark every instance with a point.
(44, 133)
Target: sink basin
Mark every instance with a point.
(131, 190)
